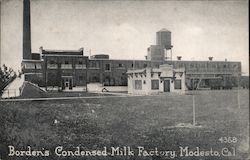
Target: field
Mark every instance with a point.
(150, 121)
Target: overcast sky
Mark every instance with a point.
(124, 29)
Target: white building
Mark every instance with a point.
(156, 80)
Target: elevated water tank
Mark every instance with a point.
(163, 38)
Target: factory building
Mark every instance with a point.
(67, 69)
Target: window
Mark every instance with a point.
(38, 66)
(29, 66)
(107, 67)
(80, 78)
(120, 65)
(154, 84)
(94, 64)
(80, 62)
(66, 62)
(144, 65)
(177, 84)
(52, 62)
(137, 65)
(138, 84)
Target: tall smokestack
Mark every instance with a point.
(26, 30)
(0, 33)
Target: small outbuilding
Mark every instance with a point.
(156, 80)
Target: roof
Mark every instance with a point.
(63, 52)
(156, 70)
(163, 30)
(136, 71)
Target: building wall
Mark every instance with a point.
(178, 74)
(84, 70)
(217, 67)
(155, 53)
(33, 71)
(115, 74)
(58, 68)
(148, 75)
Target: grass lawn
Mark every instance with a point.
(147, 121)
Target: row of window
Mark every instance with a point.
(66, 66)
(96, 64)
(65, 62)
(155, 84)
(32, 66)
(119, 65)
(203, 65)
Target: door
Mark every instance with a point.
(68, 83)
(166, 85)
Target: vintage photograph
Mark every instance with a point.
(124, 80)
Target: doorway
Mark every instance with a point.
(166, 86)
(68, 82)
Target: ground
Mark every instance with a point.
(149, 121)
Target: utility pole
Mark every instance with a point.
(238, 90)
(193, 99)
(194, 111)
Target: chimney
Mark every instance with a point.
(210, 58)
(81, 50)
(26, 30)
(41, 50)
(179, 58)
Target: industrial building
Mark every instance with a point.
(156, 80)
(67, 69)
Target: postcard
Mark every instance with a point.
(124, 80)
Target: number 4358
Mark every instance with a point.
(228, 139)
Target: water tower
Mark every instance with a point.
(163, 38)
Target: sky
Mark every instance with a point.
(125, 29)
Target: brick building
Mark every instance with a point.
(67, 69)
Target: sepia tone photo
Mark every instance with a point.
(124, 80)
